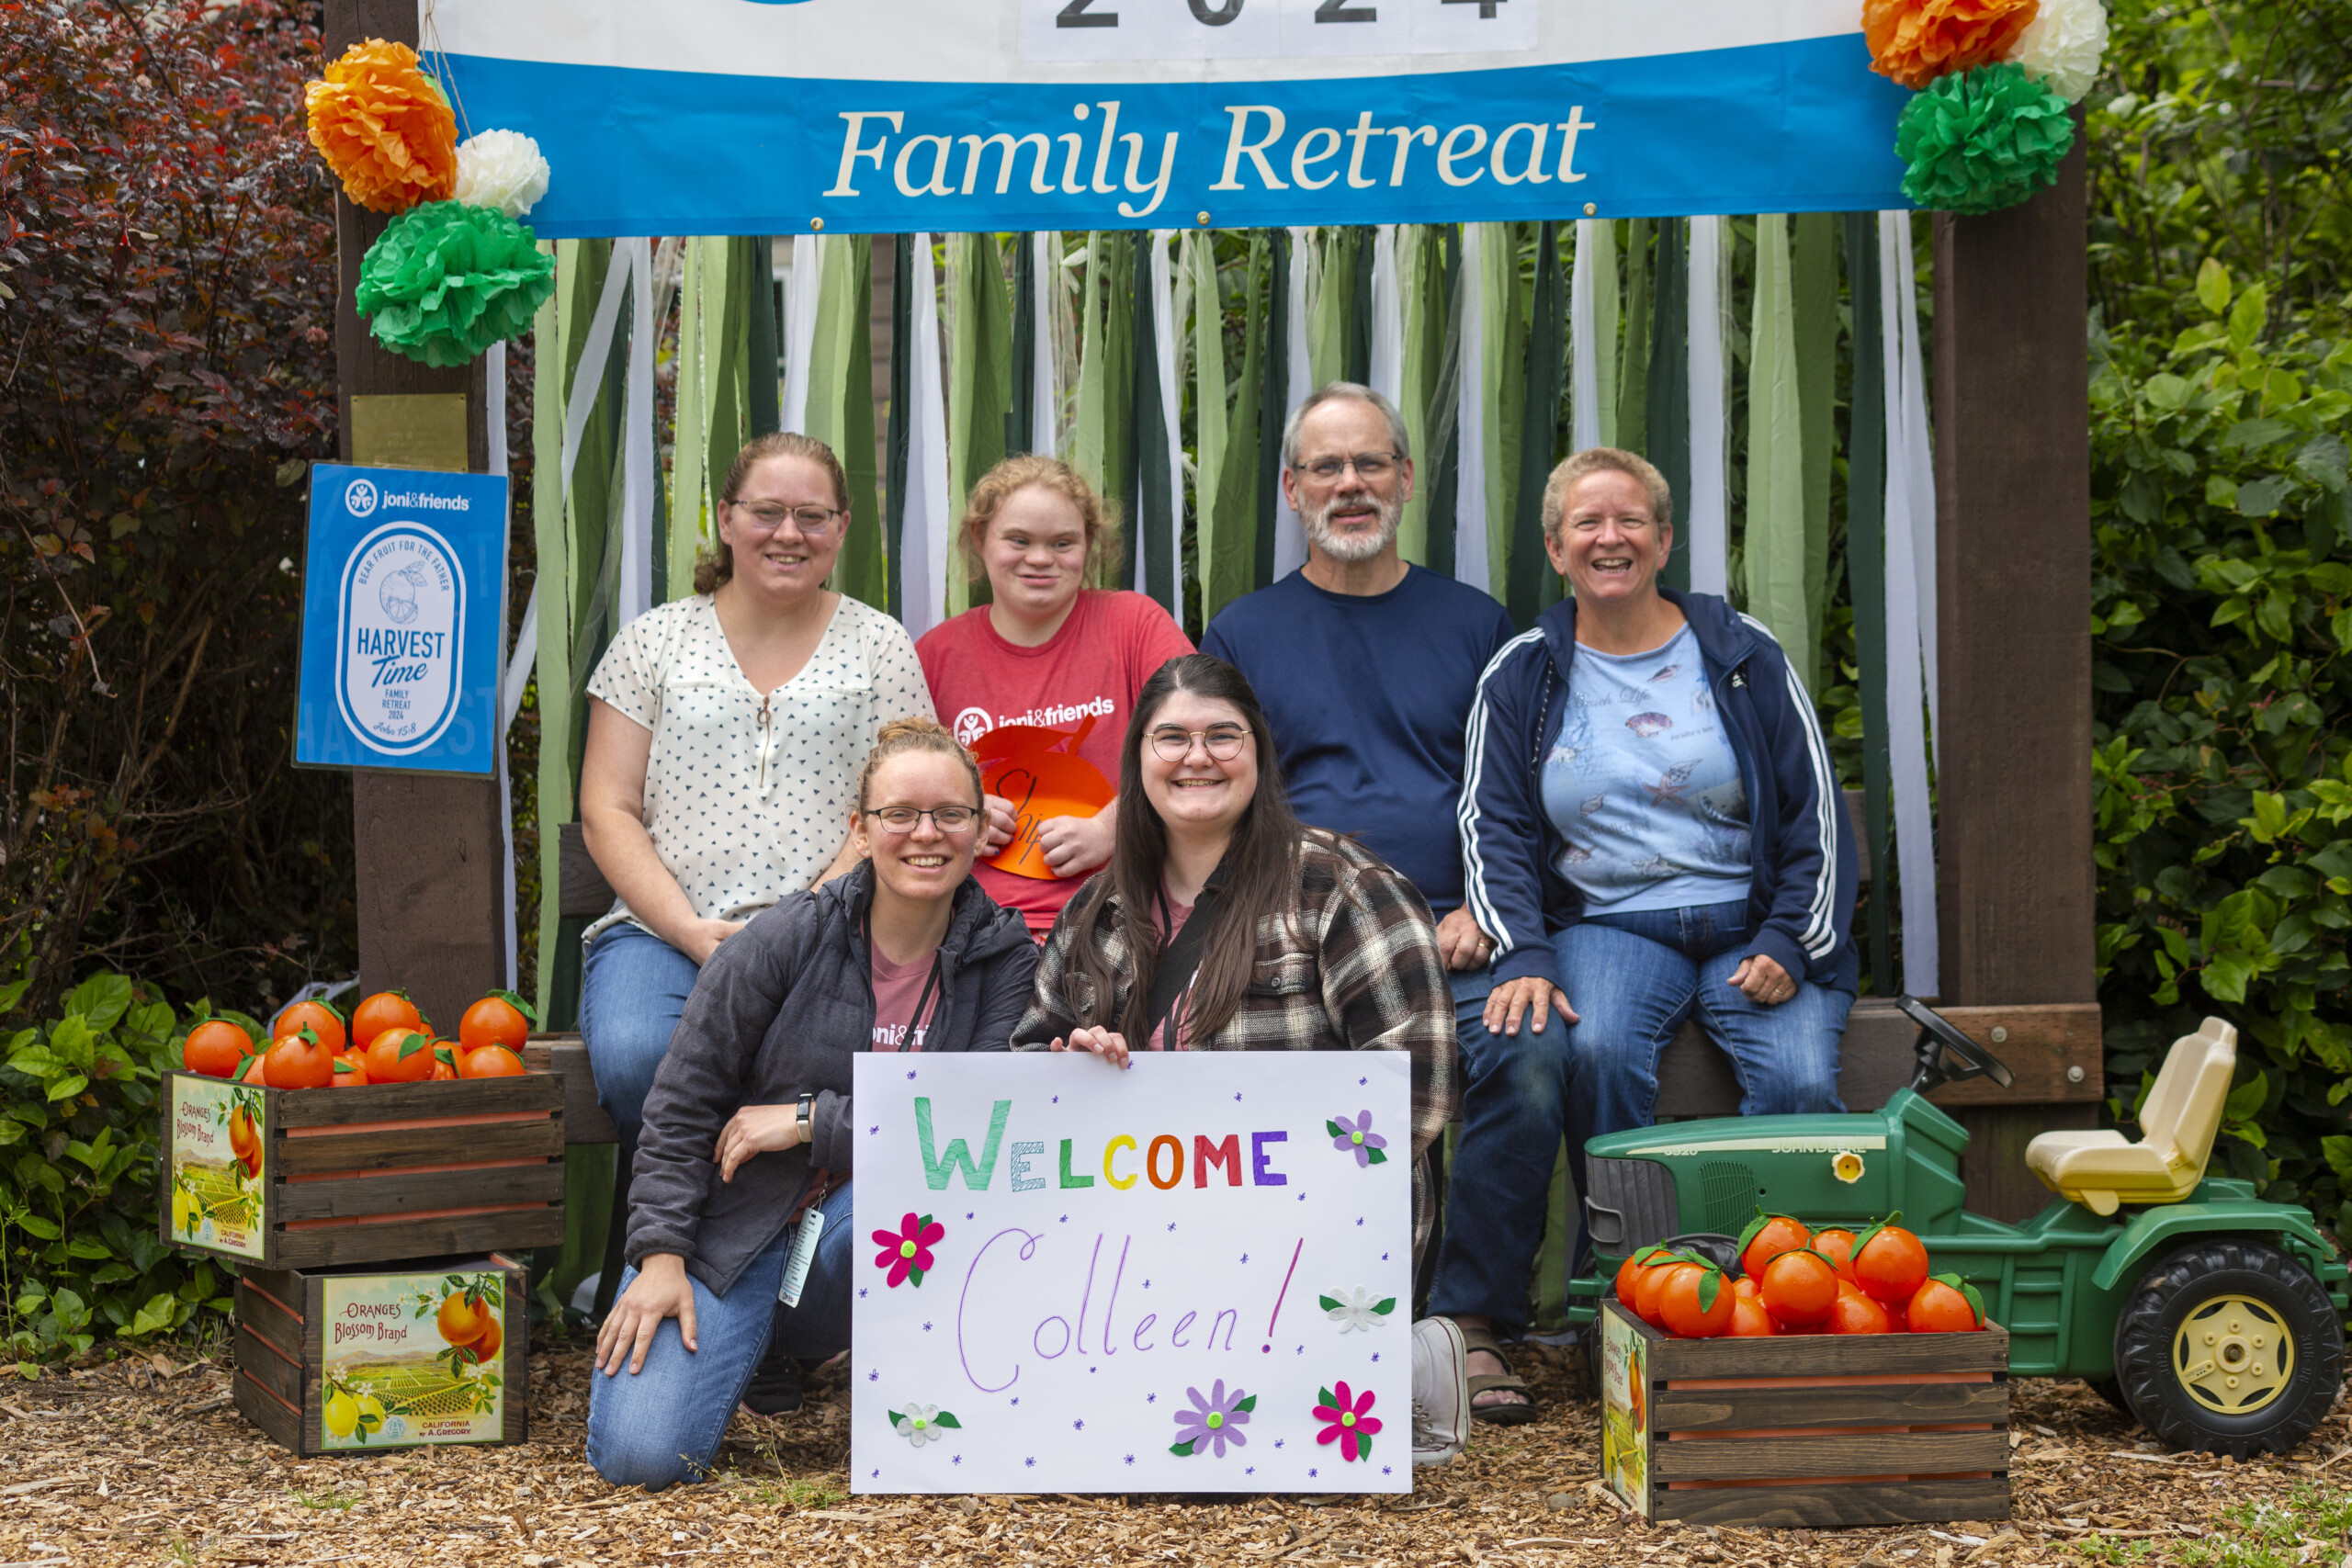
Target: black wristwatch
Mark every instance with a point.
(807, 1114)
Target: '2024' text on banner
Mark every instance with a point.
(1191, 1276)
(712, 116)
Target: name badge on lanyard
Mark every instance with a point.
(803, 1253)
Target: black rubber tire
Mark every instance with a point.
(2175, 1287)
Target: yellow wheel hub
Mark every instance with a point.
(2234, 1354)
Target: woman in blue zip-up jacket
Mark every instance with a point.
(1651, 831)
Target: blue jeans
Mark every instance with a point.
(664, 1424)
(1632, 979)
(632, 989)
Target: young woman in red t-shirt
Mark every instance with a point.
(1046, 651)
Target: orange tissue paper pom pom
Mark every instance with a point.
(1915, 42)
(384, 128)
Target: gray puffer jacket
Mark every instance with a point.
(782, 1007)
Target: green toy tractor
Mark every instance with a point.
(2213, 1317)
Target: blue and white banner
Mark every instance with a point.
(714, 117)
(404, 620)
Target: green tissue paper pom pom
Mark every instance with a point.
(1981, 139)
(446, 280)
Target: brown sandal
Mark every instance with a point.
(1509, 1413)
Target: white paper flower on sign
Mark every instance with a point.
(1357, 1309)
(921, 1423)
(2061, 46)
(502, 169)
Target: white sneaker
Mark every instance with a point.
(1440, 1390)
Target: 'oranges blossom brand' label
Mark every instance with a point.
(217, 1133)
(1624, 1418)
(413, 1359)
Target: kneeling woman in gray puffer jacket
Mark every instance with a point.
(747, 1129)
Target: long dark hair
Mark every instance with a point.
(1258, 866)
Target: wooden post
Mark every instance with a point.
(2013, 565)
(428, 849)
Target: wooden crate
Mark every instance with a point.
(314, 1345)
(308, 1179)
(1805, 1429)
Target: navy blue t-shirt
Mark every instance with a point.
(1368, 695)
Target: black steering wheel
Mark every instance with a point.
(1938, 1034)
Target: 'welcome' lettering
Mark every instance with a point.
(936, 1169)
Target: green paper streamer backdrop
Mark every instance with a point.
(755, 277)
(1866, 579)
(1103, 448)
(1666, 411)
(1150, 504)
(1273, 399)
(1442, 463)
(1533, 585)
(1502, 389)
(841, 407)
(1196, 259)
(1420, 292)
(1606, 302)
(1983, 139)
(445, 280)
(1229, 558)
(1633, 380)
(980, 388)
(897, 432)
(1775, 541)
(1814, 288)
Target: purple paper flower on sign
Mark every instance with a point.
(1357, 1137)
(1213, 1422)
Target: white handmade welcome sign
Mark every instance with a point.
(1194, 1275)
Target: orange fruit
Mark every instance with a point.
(1767, 1237)
(492, 1338)
(1682, 1301)
(1854, 1313)
(391, 1058)
(317, 1018)
(215, 1048)
(256, 1069)
(385, 1009)
(444, 1060)
(461, 1321)
(1745, 1285)
(299, 1061)
(1800, 1288)
(1653, 1283)
(1629, 1273)
(1836, 1244)
(350, 1072)
(1890, 1264)
(242, 1138)
(498, 1018)
(1749, 1320)
(1944, 1305)
(490, 1061)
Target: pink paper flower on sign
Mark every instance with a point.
(1357, 1138)
(1349, 1422)
(906, 1252)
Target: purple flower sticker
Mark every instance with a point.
(1349, 1422)
(1357, 1138)
(906, 1252)
(1213, 1422)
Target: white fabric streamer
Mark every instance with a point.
(588, 376)
(1906, 629)
(1710, 515)
(1919, 468)
(1584, 356)
(1045, 412)
(1387, 318)
(1470, 417)
(923, 535)
(526, 642)
(801, 332)
(1290, 534)
(639, 480)
(1167, 344)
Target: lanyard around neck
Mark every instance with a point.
(930, 981)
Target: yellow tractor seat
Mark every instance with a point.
(2103, 1169)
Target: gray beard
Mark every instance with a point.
(1353, 547)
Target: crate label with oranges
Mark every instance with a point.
(1624, 1391)
(413, 1359)
(217, 1133)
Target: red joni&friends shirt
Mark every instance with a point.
(1091, 668)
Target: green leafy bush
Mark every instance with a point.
(2224, 795)
(80, 1259)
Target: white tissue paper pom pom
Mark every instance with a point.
(502, 169)
(2061, 46)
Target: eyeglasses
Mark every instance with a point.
(947, 819)
(1627, 524)
(768, 517)
(1224, 742)
(1372, 467)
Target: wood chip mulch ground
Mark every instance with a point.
(145, 1461)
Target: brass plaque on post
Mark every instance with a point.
(409, 430)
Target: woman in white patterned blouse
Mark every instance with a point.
(724, 742)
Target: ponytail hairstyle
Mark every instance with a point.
(1259, 866)
(713, 567)
(915, 733)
